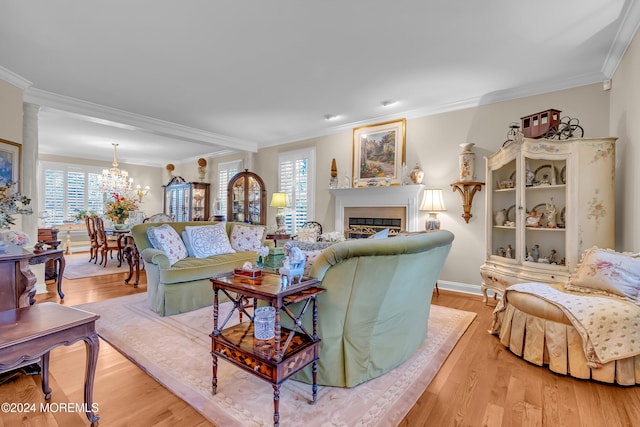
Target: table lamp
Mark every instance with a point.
(433, 203)
(280, 201)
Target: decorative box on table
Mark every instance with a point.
(275, 258)
(253, 273)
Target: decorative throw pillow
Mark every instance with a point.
(245, 238)
(187, 244)
(605, 271)
(382, 234)
(167, 239)
(208, 240)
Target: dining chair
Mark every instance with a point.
(159, 217)
(93, 242)
(106, 244)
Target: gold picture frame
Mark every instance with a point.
(378, 154)
(10, 161)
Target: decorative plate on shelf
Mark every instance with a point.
(511, 213)
(563, 173)
(545, 175)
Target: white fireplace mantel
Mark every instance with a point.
(407, 196)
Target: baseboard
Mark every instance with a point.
(464, 288)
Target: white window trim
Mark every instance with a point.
(310, 154)
(222, 186)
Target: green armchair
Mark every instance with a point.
(374, 314)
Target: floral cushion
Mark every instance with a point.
(605, 271)
(167, 239)
(245, 238)
(311, 258)
(209, 240)
(307, 235)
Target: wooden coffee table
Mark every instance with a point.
(29, 333)
(273, 360)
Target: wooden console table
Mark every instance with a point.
(29, 333)
(17, 281)
(69, 228)
(55, 256)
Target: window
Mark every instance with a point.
(295, 178)
(69, 189)
(226, 171)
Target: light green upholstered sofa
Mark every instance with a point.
(375, 311)
(186, 285)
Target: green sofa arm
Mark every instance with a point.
(157, 257)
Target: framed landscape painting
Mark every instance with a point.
(9, 162)
(378, 154)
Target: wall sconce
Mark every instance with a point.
(280, 201)
(467, 190)
(433, 203)
(141, 192)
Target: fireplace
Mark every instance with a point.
(373, 204)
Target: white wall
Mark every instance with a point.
(433, 142)
(625, 124)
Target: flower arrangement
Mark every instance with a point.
(118, 208)
(18, 237)
(12, 204)
(334, 236)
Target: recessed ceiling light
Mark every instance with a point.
(331, 117)
(388, 103)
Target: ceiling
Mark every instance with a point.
(173, 81)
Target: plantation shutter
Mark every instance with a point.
(69, 190)
(226, 171)
(54, 201)
(295, 178)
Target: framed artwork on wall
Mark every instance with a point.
(378, 154)
(10, 158)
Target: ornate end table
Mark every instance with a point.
(273, 360)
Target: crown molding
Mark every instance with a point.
(125, 120)
(626, 32)
(14, 79)
(489, 98)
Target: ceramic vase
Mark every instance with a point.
(417, 174)
(467, 160)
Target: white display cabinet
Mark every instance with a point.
(547, 202)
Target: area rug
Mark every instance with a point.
(77, 266)
(175, 350)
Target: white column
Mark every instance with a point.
(29, 169)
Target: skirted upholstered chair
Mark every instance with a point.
(587, 328)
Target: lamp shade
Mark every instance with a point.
(279, 200)
(432, 201)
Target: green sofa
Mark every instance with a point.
(186, 285)
(374, 314)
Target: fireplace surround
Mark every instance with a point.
(378, 202)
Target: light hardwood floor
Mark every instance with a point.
(480, 384)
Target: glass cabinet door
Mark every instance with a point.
(246, 199)
(186, 201)
(545, 200)
(505, 211)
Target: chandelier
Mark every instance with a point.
(115, 180)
